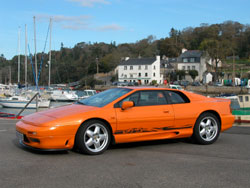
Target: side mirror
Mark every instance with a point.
(127, 104)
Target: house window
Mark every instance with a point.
(146, 67)
(193, 67)
(246, 99)
(139, 74)
(131, 67)
(185, 60)
(154, 74)
(125, 67)
(154, 67)
(125, 76)
(139, 68)
(183, 67)
(192, 59)
(188, 67)
(241, 98)
(146, 74)
(131, 75)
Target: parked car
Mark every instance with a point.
(133, 84)
(218, 84)
(122, 115)
(175, 87)
(184, 83)
(196, 84)
(176, 83)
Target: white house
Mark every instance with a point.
(141, 70)
(207, 77)
(193, 60)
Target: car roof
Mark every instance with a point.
(147, 88)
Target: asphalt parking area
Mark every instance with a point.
(168, 163)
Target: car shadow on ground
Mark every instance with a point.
(111, 147)
(151, 143)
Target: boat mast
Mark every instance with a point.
(26, 56)
(18, 76)
(50, 25)
(35, 50)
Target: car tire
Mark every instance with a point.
(207, 129)
(93, 137)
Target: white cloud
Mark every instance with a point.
(111, 27)
(68, 22)
(82, 22)
(89, 3)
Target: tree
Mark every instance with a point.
(181, 74)
(216, 51)
(193, 74)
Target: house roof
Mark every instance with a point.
(138, 61)
(164, 63)
(191, 53)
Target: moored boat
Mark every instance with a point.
(240, 106)
(62, 95)
(17, 102)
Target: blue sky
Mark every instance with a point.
(108, 20)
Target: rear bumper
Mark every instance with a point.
(45, 138)
(227, 122)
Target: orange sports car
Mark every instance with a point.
(121, 115)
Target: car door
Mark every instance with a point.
(185, 113)
(151, 113)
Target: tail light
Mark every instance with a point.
(230, 106)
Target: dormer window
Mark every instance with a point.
(185, 60)
(192, 60)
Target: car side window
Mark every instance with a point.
(133, 97)
(145, 98)
(176, 97)
(150, 98)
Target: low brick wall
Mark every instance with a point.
(216, 90)
(197, 89)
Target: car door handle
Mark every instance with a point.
(166, 111)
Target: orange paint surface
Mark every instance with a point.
(56, 128)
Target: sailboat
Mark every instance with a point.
(17, 101)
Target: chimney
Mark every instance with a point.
(158, 58)
(126, 58)
(183, 50)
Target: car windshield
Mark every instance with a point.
(105, 97)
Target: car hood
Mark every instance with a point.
(41, 118)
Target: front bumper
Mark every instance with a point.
(38, 149)
(44, 138)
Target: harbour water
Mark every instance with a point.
(30, 111)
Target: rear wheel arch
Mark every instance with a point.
(212, 112)
(207, 127)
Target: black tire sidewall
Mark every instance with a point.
(196, 132)
(79, 139)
